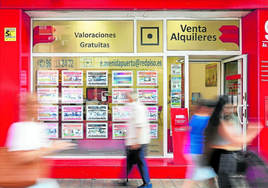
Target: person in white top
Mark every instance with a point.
(29, 136)
(138, 136)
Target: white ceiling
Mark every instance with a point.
(137, 14)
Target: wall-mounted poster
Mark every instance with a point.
(152, 113)
(72, 95)
(154, 130)
(97, 112)
(72, 113)
(121, 113)
(120, 130)
(48, 113)
(48, 95)
(211, 74)
(175, 84)
(47, 77)
(52, 130)
(120, 95)
(148, 96)
(97, 130)
(175, 99)
(176, 70)
(72, 130)
(147, 78)
(97, 78)
(72, 78)
(122, 78)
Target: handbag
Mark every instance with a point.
(15, 174)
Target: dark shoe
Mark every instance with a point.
(146, 186)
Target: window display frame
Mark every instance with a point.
(165, 54)
(117, 71)
(117, 120)
(106, 119)
(93, 123)
(146, 102)
(49, 106)
(73, 106)
(82, 130)
(107, 78)
(138, 81)
(57, 82)
(57, 128)
(68, 84)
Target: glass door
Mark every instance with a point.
(234, 84)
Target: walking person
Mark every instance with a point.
(222, 141)
(138, 136)
(27, 142)
(198, 123)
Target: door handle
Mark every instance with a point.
(238, 113)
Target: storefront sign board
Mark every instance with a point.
(201, 35)
(83, 36)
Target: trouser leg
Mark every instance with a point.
(141, 162)
(130, 161)
(227, 168)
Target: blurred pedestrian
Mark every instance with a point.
(138, 136)
(198, 171)
(26, 139)
(222, 141)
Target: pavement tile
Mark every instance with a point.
(99, 183)
(177, 180)
(84, 186)
(156, 182)
(133, 182)
(110, 183)
(65, 182)
(76, 182)
(202, 185)
(167, 183)
(87, 183)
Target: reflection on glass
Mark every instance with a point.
(94, 82)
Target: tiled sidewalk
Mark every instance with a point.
(133, 183)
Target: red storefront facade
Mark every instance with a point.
(16, 71)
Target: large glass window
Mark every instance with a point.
(91, 93)
(175, 90)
